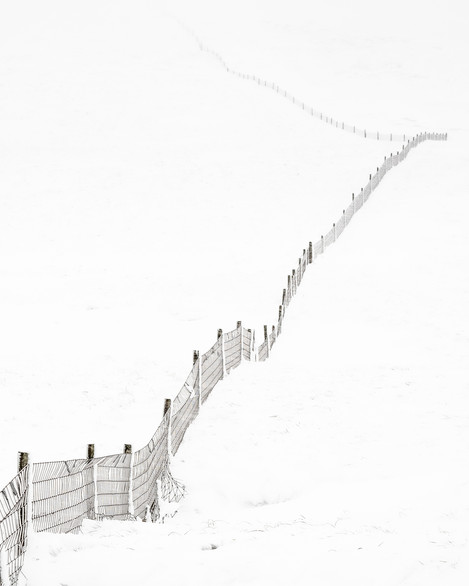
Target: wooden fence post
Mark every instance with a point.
(310, 253)
(166, 406)
(220, 335)
(353, 201)
(239, 326)
(196, 356)
(322, 242)
(250, 343)
(266, 338)
(90, 452)
(335, 232)
(23, 458)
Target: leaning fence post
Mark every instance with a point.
(220, 335)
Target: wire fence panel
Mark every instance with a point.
(367, 191)
(247, 344)
(148, 466)
(329, 237)
(232, 349)
(318, 247)
(263, 351)
(340, 226)
(212, 368)
(358, 202)
(112, 484)
(349, 213)
(185, 408)
(63, 495)
(272, 338)
(14, 524)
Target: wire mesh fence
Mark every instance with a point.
(58, 496)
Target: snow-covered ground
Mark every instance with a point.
(148, 198)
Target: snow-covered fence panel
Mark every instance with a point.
(112, 485)
(13, 526)
(247, 343)
(232, 345)
(62, 495)
(212, 367)
(185, 407)
(148, 465)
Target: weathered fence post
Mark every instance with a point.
(220, 335)
(128, 450)
(23, 459)
(266, 339)
(239, 327)
(167, 409)
(90, 451)
(196, 357)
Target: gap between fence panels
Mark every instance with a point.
(59, 496)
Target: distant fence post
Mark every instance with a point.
(266, 340)
(220, 335)
(90, 452)
(335, 231)
(353, 201)
(250, 344)
(239, 326)
(323, 248)
(310, 253)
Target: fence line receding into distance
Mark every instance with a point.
(316, 113)
(58, 496)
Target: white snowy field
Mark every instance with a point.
(343, 459)
(147, 198)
